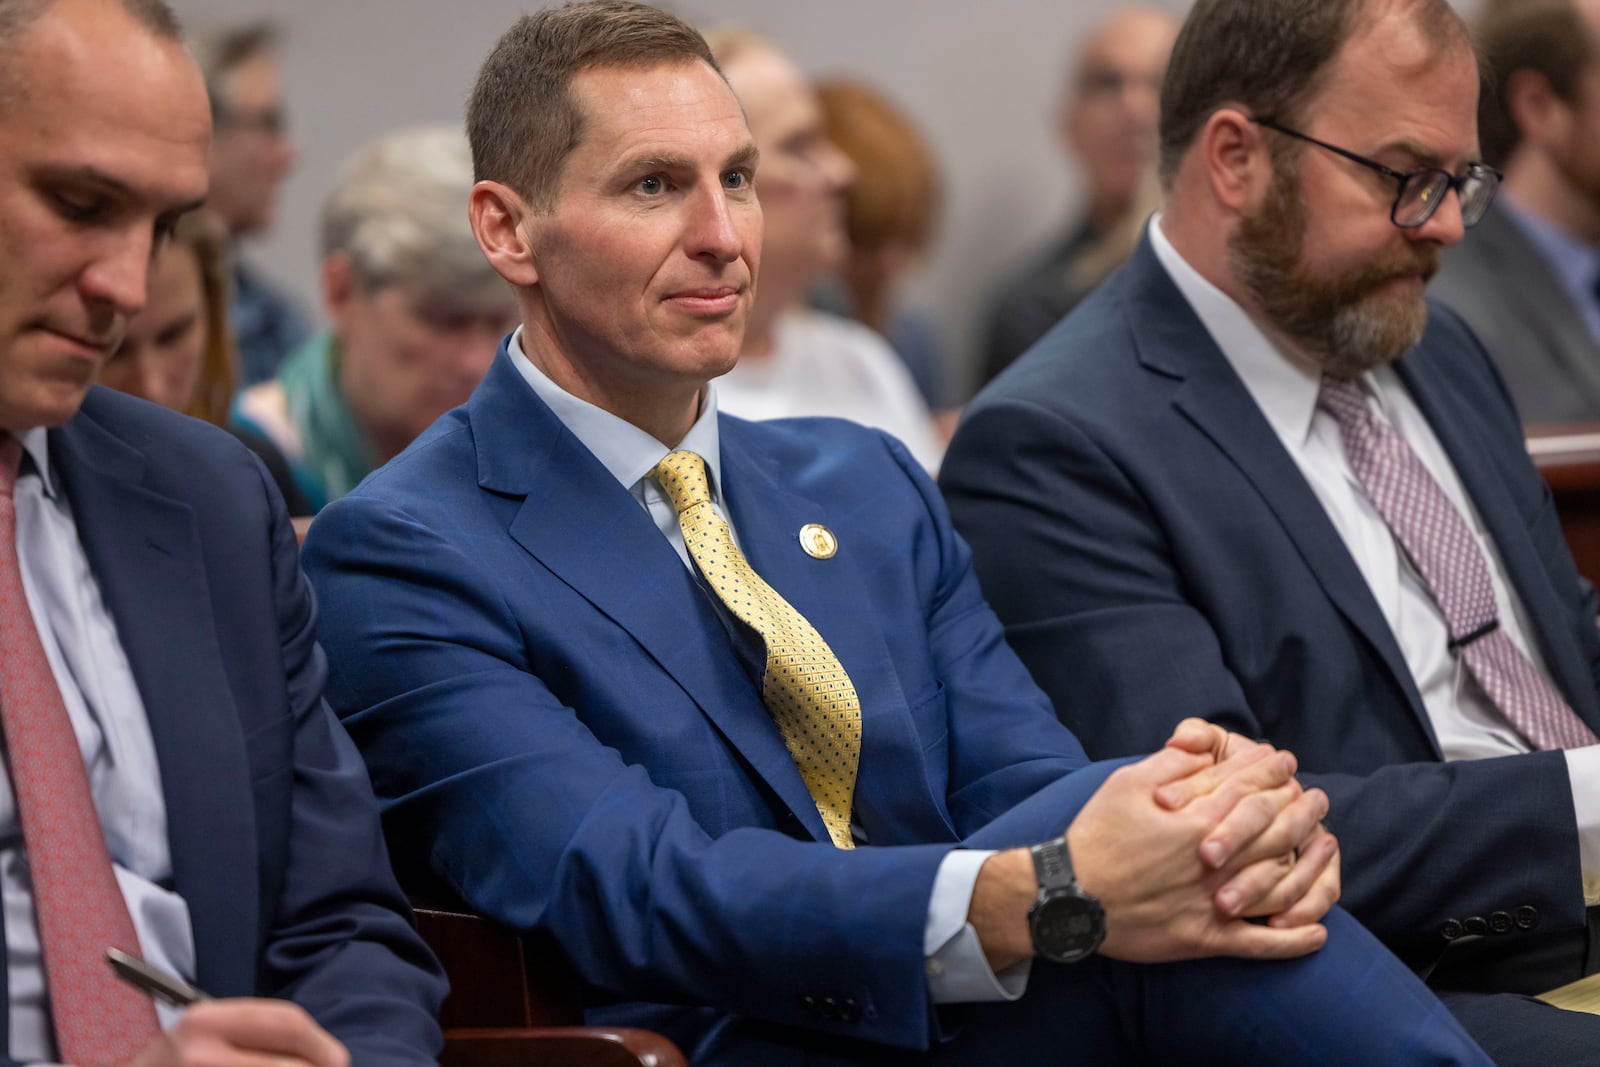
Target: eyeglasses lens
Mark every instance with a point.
(1477, 192)
(1421, 198)
(1425, 191)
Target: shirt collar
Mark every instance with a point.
(36, 445)
(1284, 390)
(621, 447)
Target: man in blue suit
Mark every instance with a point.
(153, 617)
(565, 627)
(1169, 515)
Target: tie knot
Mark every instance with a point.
(683, 476)
(10, 462)
(1343, 399)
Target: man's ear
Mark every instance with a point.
(498, 216)
(339, 284)
(1541, 117)
(1236, 161)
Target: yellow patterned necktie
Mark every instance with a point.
(804, 686)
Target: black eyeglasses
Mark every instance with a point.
(1421, 191)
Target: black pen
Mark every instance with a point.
(165, 987)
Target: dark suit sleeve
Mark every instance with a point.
(339, 941)
(1099, 601)
(531, 819)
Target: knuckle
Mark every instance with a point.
(1263, 806)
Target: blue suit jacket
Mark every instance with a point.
(271, 821)
(1155, 553)
(562, 731)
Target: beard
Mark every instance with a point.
(1343, 323)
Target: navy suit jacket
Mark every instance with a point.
(562, 731)
(272, 824)
(1155, 552)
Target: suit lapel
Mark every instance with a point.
(144, 550)
(590, 532)
(1173, 342)
(768, 515)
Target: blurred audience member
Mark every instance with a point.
(797, 361)
(1107, 122)
(170, 354)
(890, 212)
(251, 154)
(177, 351)
(416, 311)
(1526, 277)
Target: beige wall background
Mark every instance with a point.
(981, 76)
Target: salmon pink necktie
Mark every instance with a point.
(1446, 554)
(80, 910)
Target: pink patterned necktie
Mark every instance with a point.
(1446, 555)
(79, 909)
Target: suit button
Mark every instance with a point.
(1476, 925)
(1451, 929)
(830, 1008)
(808, 1005)
(1527, 917)
(1500, 923)
(850, 1011)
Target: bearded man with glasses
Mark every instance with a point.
(1258, 477)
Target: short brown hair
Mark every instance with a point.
(1267, 56)
(1548, 37)
(522, 120)
(154, 15)
(17, 15)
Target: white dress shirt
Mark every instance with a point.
(956, 968)
(1464, 719)
(97, 686)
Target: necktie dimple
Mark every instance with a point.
(1446, 554)
(78, 906)
(804, 686)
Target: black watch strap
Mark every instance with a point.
(1052, 864)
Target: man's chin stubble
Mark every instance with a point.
(1342, 335)
(1370, 333)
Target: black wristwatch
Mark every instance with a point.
(1067, 923)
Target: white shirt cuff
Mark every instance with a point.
(1583, 768)
(956, 968)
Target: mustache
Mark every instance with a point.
(1412, 263)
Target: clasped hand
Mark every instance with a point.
(1184, 849)
(1185, 846)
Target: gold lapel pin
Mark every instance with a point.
(818, 541)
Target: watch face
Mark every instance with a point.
(1067, 926)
